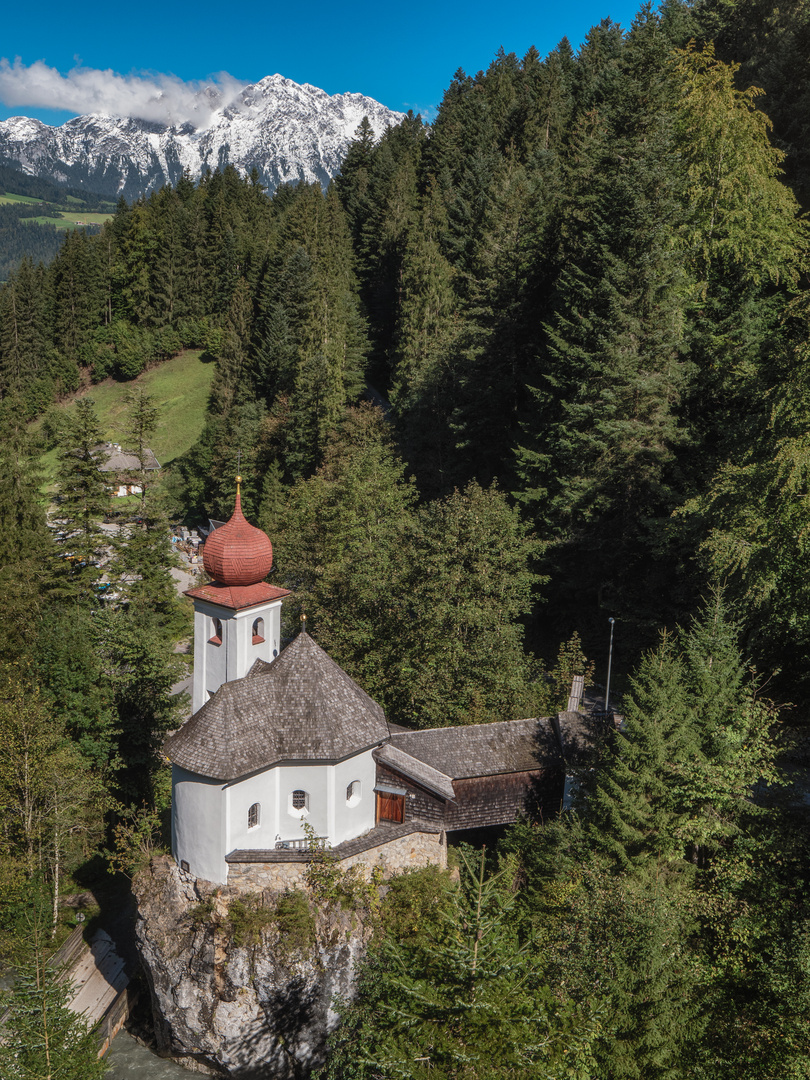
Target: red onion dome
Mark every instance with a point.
(238, 553)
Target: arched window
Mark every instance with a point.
(353, 793)
(254, 815)
(216, 632)
(298, 806)
(258, 631)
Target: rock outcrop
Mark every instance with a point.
(243, 985)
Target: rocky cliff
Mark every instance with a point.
(243, 985)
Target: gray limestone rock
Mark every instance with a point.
(249, 1010)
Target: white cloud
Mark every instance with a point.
(164, 99)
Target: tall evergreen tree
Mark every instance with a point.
(82, 492)
(466, 998)
(26, 547)
(43, 1039)
(468, 584)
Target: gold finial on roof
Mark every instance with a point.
(304, 623)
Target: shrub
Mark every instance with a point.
(296, 923)
(415, 902)
(247, 920)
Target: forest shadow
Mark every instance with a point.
(117, 908)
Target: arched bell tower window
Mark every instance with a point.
(254, 815)
(258, 631)
(216, 632)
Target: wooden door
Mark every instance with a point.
(390, 807)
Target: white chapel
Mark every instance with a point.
(274, 740)
(282, 743)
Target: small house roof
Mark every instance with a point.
(300, 707)
(483, 749)
(119, 461)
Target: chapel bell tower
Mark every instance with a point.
(237, 615)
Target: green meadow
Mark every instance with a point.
(18, 199)
(73, 220)
(180, 388)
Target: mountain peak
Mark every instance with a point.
(287, 131)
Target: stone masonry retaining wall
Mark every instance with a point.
(413, 851)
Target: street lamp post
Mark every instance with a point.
(611, 620)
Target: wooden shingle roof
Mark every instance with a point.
(483, 749)
(301, 707)
(410, 766)
(117, 460)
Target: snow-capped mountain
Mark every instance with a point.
(286, 131)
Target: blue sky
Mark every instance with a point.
(402, 56)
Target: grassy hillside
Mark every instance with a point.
(180, 388)
(73, 220)
(34, 215)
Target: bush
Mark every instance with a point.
(200, 914)
(296, 923)
(247, 920)
(415, 902)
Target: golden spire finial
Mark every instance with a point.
(304, 623)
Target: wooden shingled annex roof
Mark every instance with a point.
(483, 749)
(301, 707)
(407, 765)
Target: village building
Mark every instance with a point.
(284, 749)
(123, 468)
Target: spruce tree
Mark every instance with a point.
(140, 423)
(634, 811)
(26, 546)
(42, 1038)
(469, 582)
(340, 544)
(83, 495)
(424, 381)
(465, 997)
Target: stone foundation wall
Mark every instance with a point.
(414, 851)
(406, 853)
(276, 876)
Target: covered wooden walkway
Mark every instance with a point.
(99, 981)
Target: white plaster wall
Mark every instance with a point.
(199, 817)
(261, 789)
(329, 813)
(351, 821)
(314, 779)
(217, 664)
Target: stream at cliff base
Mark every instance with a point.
(132, 1061)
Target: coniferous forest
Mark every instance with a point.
(539, 363)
